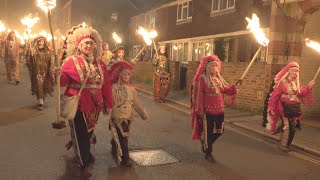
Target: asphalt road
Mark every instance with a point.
(31, 149)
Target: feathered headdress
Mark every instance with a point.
(117, 68)
(81, 33)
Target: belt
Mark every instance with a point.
(212, 94)
(290, 96)
(87, 86)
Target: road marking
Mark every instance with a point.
(293, 153)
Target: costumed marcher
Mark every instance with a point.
(2, 45)
(282, 112)
(117, 55)
(11, 57)
(83, 46)
(105, 54)
(40, 62)
(207, 103)
(125, 99)
(161, 78)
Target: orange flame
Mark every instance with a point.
(116, 37)
(46, 5)
(145, 35)
(254, 26)
(314, 45)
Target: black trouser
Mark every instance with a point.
(82, 140)
(124, 146)
(214, 129)
(287, 128)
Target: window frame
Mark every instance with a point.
(185, 5)
(219, 6)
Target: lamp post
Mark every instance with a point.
(47, 6)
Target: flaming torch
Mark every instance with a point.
(146, 36)
(29, 22)
(254, 26)
(2, 27)
(116, 38)
(153, 34)
(47, 6)
(316, 46)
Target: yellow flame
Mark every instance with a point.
(153, 34)
(29, 21)
(2, 27)
(145, 35)
(254, 26)
(314, 45)
(9, 30)
(46, 5)
(63, 37)
(19, 36)
(116, 37)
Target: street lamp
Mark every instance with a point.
(47, 6)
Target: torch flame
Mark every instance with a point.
(145, 35)
(254, 26)
(116, 37)
(46, 5)
(153, 34)
(29, 21)
(2, 27)
(314, 45)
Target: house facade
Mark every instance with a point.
(192, 29)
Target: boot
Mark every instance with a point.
(283, 148)
(126, 163)
(209, 157)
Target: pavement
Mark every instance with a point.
(307, 139)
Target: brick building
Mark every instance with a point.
(194, 28)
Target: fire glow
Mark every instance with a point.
(116, 38)
(29, 21)
(312, 44)
(145, 35)
(254, 27)
(46, 5)
(2, 27)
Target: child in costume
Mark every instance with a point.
(126, 100)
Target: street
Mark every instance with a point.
(31, 149)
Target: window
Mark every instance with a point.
(179, 52)
(184, 11)
(201, 49)
(222, 5)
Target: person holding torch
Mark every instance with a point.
(283, 104)
(83, 66)
(207, 103)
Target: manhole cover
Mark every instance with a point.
(151, 157)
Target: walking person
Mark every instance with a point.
(11, 57)
(126, 100)
(40, 63)
(83, 66)
(207, 104)
(283, 104)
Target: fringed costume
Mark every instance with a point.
(97, 93)
(40, 63)
(162, 76)
(207, 104)
(283, 111)
(126, 100)
(11, 57)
